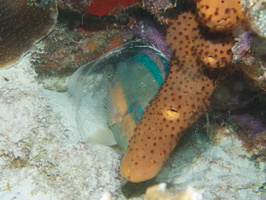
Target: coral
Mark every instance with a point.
(21, 27)
(220, 15)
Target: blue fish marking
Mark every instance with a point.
(151, 66)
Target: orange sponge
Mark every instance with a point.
(183, 97)
(220, 15)
(215, 53)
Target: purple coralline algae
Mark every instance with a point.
(242, 48)
(252, 132)
(149, 34)
(256, 125)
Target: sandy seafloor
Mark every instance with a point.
(42, 155)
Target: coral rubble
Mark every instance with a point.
(22, 26)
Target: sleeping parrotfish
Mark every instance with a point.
(112, 92)
(135, 83)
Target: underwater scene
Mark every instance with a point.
(133, 99)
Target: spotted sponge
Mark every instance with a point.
(181, 100)
(215, 53)
(220, 15)
(21, 27)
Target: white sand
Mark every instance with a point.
(42, 155)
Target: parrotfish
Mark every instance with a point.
(113, 91)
